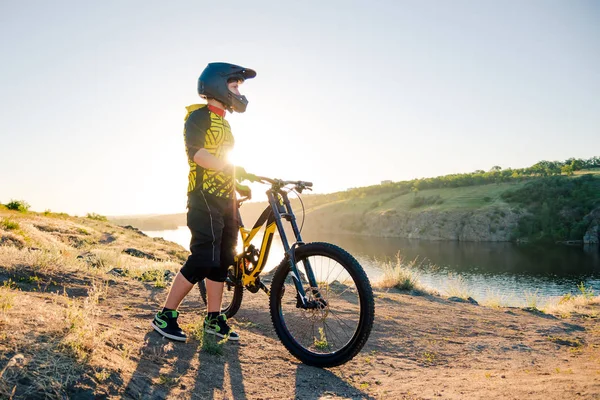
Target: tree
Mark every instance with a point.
(567, 169)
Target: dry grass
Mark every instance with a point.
(57, 340)
(7, 297)
(533, 299)
(133, 267)
(400, 275)
(37, 365)
(39, 260)
(494, 299)
(59, 337)
(582, 303)
(456, 286)
(81, 324)
(47, 372)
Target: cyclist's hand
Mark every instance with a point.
(243, 190)
(241, 175)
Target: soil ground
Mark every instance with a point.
(421, 347)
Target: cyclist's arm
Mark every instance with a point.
(206, 160)
(195, 134)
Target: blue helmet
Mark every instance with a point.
(213, 84)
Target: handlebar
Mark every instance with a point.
(281, 183)
(277, 184)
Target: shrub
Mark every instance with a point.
(96, 217)
(7, 297)
(399, 275)
(586, 292)
(9, 225)
(419, 201)
(18, 205)
(556, 207)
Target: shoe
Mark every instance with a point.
(218, 327)
(166, 324)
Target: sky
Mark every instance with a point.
(347, 93)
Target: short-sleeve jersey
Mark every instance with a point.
(208, 130)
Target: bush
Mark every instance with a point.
(556, 206)
(96, 217)
(399, 275)
(9, 225)
(18, 205)
(419, 201)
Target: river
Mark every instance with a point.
(505, 272)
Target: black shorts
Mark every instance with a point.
(214, 224)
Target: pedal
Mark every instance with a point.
(265, 289)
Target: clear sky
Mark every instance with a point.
(348, 93)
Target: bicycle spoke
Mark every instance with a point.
(335, 329)
(339, 319)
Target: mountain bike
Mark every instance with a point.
(320, 299)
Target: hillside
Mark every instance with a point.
(544, 208)
(76, 301)
(550, 201)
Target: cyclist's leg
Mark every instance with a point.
(215, 279)
(179, 289)
(206, 226)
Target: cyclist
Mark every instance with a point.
(212, 211)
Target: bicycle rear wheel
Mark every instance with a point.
(232, 297)
(336, 330)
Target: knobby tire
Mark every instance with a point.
(366, 305)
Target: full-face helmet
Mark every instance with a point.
(214, 80)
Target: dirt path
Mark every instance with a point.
(421, 347)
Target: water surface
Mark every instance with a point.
(487, 270)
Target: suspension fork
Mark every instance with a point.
(285, 211)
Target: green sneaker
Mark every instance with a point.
(218, 327)
(166, 324)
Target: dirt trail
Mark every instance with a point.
(421, 347)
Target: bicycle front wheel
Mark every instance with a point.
(335, 330)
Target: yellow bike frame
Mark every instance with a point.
(266, 218)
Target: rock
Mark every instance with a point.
(592, 235)
(117, 272)
(480, 225)
(90, 259)
(140, 254)
(133, 228)
(461, 300)
(8, 239)
(107, 238)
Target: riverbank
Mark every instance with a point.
(75, 305)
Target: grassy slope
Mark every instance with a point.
(462, 198)
(470, 197)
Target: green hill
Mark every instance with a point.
(549, 201)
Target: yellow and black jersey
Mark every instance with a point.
(206, 128)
